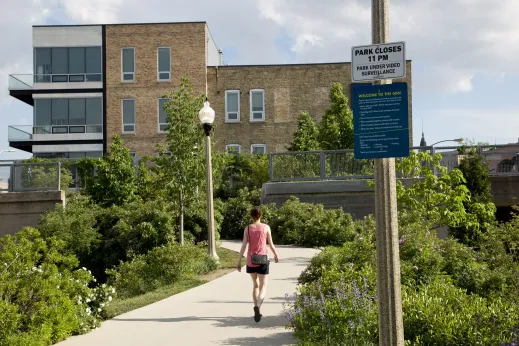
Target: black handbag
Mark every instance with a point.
(257, 258)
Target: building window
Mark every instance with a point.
(233, 148)
(232, 106)
(258, 149)
(128, 62)
(68, 115)
(257, 105)
(132, 154)
(129, 116)
(67, 65)
(162, 115)
(164, 63)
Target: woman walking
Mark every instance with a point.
(256, 235)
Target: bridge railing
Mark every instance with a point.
(341, 164)
(19, 177)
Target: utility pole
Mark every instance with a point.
(390, 322)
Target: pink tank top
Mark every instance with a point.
(257, 242)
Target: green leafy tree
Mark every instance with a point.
(43, 174)
(336, 128)
(182, 170)
(114, 181)
(438, 200)
(306, 138)
(477, 182)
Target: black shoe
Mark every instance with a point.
(257, 315)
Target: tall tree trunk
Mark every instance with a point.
(181, 214)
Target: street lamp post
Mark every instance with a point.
(206, 116)
(458, 140)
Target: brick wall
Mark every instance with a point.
(188, 58)
(289, 89)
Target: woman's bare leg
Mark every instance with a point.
(255, 288)
(262, 289)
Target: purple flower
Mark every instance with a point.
(402, 240)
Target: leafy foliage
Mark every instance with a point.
(43, 174)
(43, 299)
(336, 127)
(161, 266)
(477, 182)
(306, 138)
(114, 181)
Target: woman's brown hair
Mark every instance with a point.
(255, 213)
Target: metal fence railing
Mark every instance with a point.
(341, 164)
(19, 177)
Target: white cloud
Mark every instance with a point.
(455, 38)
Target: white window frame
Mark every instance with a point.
(227, 120)
(158, 65)
(134, 115)
(233, 145)
(264, 146)
(158, 114)
(122, 66)
(252, 91)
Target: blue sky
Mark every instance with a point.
(464, 52)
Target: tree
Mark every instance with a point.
(115, 180)
(477, 182)
(438, 200)
(182, 169)
(336, 128)
(306, 138)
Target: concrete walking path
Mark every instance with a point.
(217, 313)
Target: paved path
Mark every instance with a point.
(217, 313)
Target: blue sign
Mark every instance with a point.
(380, 120)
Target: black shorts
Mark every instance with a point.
(262, 269)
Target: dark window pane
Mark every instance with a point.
(128, 60)
(76, 112)
(77, 155)
(94, 154)
(77, 129)
(59, 129)
(42, 112)
(76, 60)
(42, 63)
(93, 77)
(59, 79)
(59, 61)
(59, 111)
(164, 60)
(128, 76)
(164, 76)
(77, 78)
(162, 113)
(129, 128)
(94, 111)
(128, 111)
(93, 60)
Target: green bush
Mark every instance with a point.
(43, 298)
(311, 225)
(161, 266)
(236, 213)
(195, 220)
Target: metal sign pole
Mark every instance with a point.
(390, 323)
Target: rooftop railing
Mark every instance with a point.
(26, 132)
(26, 81)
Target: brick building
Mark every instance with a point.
(92, 82)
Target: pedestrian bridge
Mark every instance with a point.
(336, 180)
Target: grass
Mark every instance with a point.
(120, 306)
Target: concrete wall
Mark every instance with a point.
(21, 209)
(188, 59)
(505, 190)
(67, 36)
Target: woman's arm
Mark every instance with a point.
(243, 246)
(271, 244)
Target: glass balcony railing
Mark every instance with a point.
(27, 132)
(26, 81)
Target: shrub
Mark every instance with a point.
(236, 213)
(311, 225)
(161, 266)
(43, 299)
(195, 220)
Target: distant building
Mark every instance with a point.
(92, 82)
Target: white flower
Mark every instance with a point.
(57, 287)
(95, 280)
(88, 310)
(88, 300)
(89, 272)
(41, 271)
(99, 309)
(102, 305)
(113, 290)
(110, 298)
(34, 268)
(5, 264)
(84, 268)
(79, 302)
